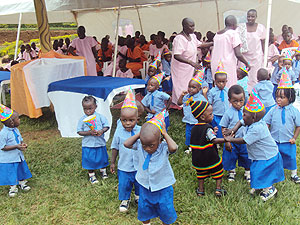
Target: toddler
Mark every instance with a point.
(207, 70)
(166, 68)
(94, 153)
(276, 75)
(288, 66)
(242, 76)
(123, 70)
(296, 63)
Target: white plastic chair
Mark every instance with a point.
(144, 70)
(2, 91)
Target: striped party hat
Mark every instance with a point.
(297, 50)
(158, 57)
(153, 64)
(245, 69)
(207, 57)
(220, 68)
(288, 55)
(5, 112)
(158, 120)
(129, 101)
(159, 77)
(254, 103)
(199, 77)
(166, 51)
(285, 81)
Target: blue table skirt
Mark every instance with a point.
(4, 75)
(96, 86)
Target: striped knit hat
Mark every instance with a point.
(198, 108)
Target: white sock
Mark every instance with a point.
(103, 170)
(22, 182)
(136, 197)
(232, 171)
(247, 172)
(91, 174)
(146, 223)
(266, 189)
(293, 173)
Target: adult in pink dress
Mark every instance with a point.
(256, 34)
(227, 49)
(86, 46)
(184, 58)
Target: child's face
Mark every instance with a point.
(151, 71)
(287, 37)
(248, 117)
(297, 56)
(221, 81)
(193, 87)
(207, 116)
(239, 74)
(237, 100)
(208, 65)
(168, 57)
(28, 48)
(152, 85)
(122, 64)
(151, 141)
(15, 119)
(128, 118)
(287, 64)
(280, 62)
(281, 99)
(89, 108)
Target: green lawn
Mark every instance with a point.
(61, 193)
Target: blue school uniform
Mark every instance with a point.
(188, 117)
(166, 67)
(264, 89)
(13, 167)
(291, 74)
(127, 163)
(208, 77)
(275, 78)
(219, 101)
(266, 168)
(244, 84)
(282, 130)
(156, 100)
(94, 153)
(296, 67)
(239, 151)
(156, 192)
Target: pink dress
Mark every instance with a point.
(84, 48)
(182, 73)
(127, 74)
(223, 50)
(272, 51)
(254, 55)
(109, 69)
(26, 55)
(153, 51)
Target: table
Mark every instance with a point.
(4, 79)
(66, 97)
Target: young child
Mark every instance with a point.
(166, 68)
(205, 156)
(155, 101)
(94, 153)
(242, 76)
(284, 123)
(235, 152)
(193, 94)
(123, 70)
(296, 63)
(127, 163)
(266, 167)
(264, 89)
(275, 78)
(154, 173)
(29, 54)
(288, 65)
(218, 97)
(13, 167)
(207, 71)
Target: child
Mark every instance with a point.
(127, 163)
(94, 154)
(207, 71)
(13, 167)
(154, 101)
(218, 97)
(242, 76)
(123, 70)
(296, 63)
(193, 94)
(205, 156)
(29, 54)
(284, 123)
(266, 167)
(264, 89)
(235, 152)
(288, 65)
(166, 68)
(154, 173)
(275, 75)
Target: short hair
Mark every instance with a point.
(290, 93)
(252, 10)
(220, 74)
(235, 89)
(89, 98)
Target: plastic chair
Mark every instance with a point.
(144, 70)
(2, 91)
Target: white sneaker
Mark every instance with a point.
(188, 151)
(266, 195)
(103, 174)
(247, 178)
(93, 180)
(13, 191)
(136, 199)
(124, 206)
(231, 177)
(23, 185)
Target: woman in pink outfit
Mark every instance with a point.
(184, 59)
(227, 49)
(85, 46)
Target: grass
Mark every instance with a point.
(61, 193)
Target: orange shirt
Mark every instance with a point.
(286, 45)
(145, 47)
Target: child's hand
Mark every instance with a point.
(292, 141)
(228, 146)
(184, 93)
(227, 132)
(216, 129)
(168, 78)
(22, 146)
(99, 132)
(112, 168)
(228, 139)
(153, 111)
(163, 129)
(205, 90)
(93, 132)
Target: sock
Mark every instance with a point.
(91, 174)
(146, 223)
(103, 170)
(232, 171)
(293, 173)
(266, 189)
(22, 182)
(247, 173)
(136, 197)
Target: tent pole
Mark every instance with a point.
(43, 25)
(267, 33)
(218, 17)
(116, 42)
(18, 36)
(138, 12)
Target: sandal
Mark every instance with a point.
(220, 192)
(200, 193)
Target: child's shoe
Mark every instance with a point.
(269, 193)
(124, 206)
(103, 174)
(247, 177)
(13, 191)
(136, 199)
(93, 180)
(188, 151)
(296, 179)
(23, 185)
(231, 176)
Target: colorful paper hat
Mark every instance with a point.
(158, 120)
(254, 103)
(245, 69)
(220, 68)
(199, 77)
(285, 81)
(91, 122)
(297, 50)
(207, 57)
(198, 107)
(166, 51)
(288, 55)
(158, 57)
(154, 64)
(159, 77)
(5, 113)
(129, 101)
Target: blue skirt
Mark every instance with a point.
(265, 173)
(215, 123)
(12, 173)
(288, 154)
(94, 158)
(167, 86)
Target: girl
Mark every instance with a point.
(123, 70)
(158, 46)
(94, 153)
(242, 76)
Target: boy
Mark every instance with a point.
(207, 71)
(276, 75)
(166, 68)
(296, 62)
(288, 66)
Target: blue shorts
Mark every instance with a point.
(188, 130)
(288, 154)
(239, 153)
(126, 182)
(94, 158)
(157, 203)
(12, 173)
(215, 123)
(265, 173)
(210, 85)
(167, 85)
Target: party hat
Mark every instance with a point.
(254, 103)
(220, 68)
(166, 51)
(297, 50)
(207, 57)
(159, 77)
(129, 101)
(91, 122)
(158, 57)
(5, 113)
(199, 77)
(154, 64)
(285, 81)
(158, 120)
(288, 55)
(245, 69)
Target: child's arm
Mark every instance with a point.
(102, 131)
(172, 146)
(87, 133)
(210, 135)
(179, 101)
(234, 140)
(204, 91)
(114, 155)
(228, 146)
(296, 134)
(130, 141)
(21, 147)
(233, 130)
(168, 103)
